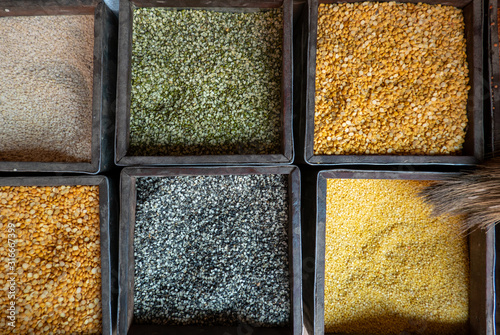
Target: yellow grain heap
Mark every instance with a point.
(389, 266)
(58, 269)
(391, 78)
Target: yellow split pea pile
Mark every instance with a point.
(391, 78)
(389, 266)
(57, 271)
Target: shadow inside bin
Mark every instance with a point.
(248, 148)
(394, 324)
(209, 323)
(242, 329)
(37, 155)
(220, 322)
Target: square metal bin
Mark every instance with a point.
(122, 157)
(474, 139)
(104, 81)
(481, 256)
(107, 231)
(128, 196)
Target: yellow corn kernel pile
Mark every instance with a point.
(58, 264)
(391, 78)
(389, 266)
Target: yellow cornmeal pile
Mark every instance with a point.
(389, 266)
(391, 78)
(58, 268)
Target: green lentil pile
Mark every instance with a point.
(205, 82)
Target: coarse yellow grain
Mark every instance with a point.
(391, 78)
(57, 271)
(389, 266)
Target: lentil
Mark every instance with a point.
(391, 78)
(390, 266)
(205, 82)
(56, 283)
(212, 250)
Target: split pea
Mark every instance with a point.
(47, 256)
(406, 60)
(206, 82)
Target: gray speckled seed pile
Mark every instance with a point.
(205, 82)
(212, 250)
